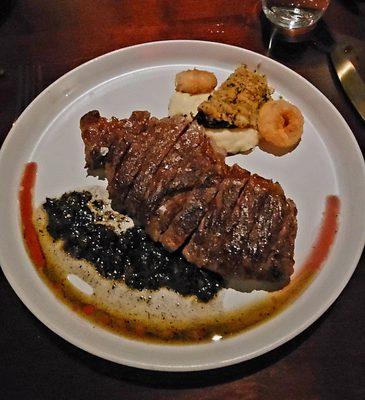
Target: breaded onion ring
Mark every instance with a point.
(195, 81)
(280, 123)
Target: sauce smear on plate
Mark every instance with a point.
(206, 327)
(26, 212)
(326, 235)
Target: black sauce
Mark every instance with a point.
(131, 256)
(209, 122)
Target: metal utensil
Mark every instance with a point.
(351, 81)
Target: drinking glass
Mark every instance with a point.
(294, 16)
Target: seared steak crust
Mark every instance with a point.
(187, 220)
(167, 175)
(183, 169)
(205, 246)
(169, 132)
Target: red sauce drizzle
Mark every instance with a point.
(88, 309)
(326, 235)
(26, 213)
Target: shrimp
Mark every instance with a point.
(280, 123)
(195, 81)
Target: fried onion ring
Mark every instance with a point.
(280, 123)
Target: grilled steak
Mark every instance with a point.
(165, 136)
(205, 246)
(191, 163)
(187, 220)
(242, 252)
(132, 161)
(122, 141)
(167, 175)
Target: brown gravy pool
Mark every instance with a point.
(162, 316)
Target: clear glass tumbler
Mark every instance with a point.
(294, 15)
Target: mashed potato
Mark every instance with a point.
(185, 103)
(236, 140)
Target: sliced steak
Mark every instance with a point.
(184, 168)
(187, 220)
(129, 167)
(171, 130)
(266, 228)
(191, 169)
(124, 137)
(176, 184)
(259, 217)
(165, 214)
(278, 267)
(98, 134)
(229, 254)
(172, 165)
(205, 245)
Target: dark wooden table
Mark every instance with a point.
(324, 362)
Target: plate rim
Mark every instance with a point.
(294, 332)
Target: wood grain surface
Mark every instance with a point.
(52, 37)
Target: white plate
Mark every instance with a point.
(327, 161)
